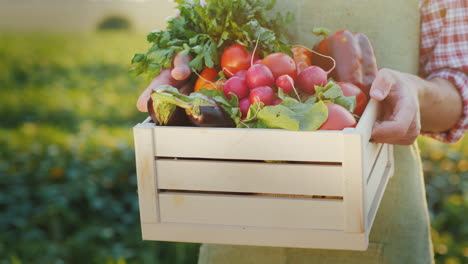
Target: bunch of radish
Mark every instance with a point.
(257, 80)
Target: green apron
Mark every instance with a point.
(401, 230)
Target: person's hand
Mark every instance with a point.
(399, 122)
(176, 77)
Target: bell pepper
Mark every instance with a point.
(354, 56)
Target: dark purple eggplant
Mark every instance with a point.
(211, 116)
(200, 109)
(177, 118)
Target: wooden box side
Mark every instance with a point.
(146, 173)
(249, 177)
(255, 236)
(251, 210)
(249, 144)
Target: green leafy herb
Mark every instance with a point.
(332, 93)
(204, 31)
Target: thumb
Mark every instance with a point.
(181, 70)
(382, 85)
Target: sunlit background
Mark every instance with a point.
(67, 170)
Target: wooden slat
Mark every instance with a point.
(244, 235)
(364, 128)
(199, 175)
(353, 184)
(248, 144)
(388, 172)
(251, 211)
(146, 173)
(376, 176)
(370, 153)
(368, 118)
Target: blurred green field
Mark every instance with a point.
(67, 172)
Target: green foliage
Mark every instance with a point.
(446, 174)
(67, 169)
(205, 30)
(67, 165)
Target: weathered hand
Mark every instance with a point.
(399, 122)
(176, 76)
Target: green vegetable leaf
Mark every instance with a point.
(348, 102)
(205, 32)
(311, 116)
(278, 116)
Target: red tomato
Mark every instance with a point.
(234, 59)
(280, 64)
(338, 118)
(350, 89)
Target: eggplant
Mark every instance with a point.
(167, 106)
(211, 116)
(177, 118)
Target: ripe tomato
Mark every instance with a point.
(350, 89)
(338, 118)
(280, 64)
(235, 58)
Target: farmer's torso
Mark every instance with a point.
(400, 233)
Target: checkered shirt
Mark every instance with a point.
(444, 52)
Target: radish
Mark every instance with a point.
(311, 76)
(277, 101)
(240, 74)
(285, 82)
(244, 105)
(259, 75)
(264, 94)
(237, 86)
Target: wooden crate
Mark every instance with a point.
(212, 185)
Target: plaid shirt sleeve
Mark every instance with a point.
(444, 52)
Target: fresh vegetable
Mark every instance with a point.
(277, 101)
(206, 79)
(310, 77)
(350, 89)
(244, 105)
(175, 116)
(338, 118)
(201, 109)
(302, 57)
(285, 82)
(240, 74)
(290, 114)
(259, 75)
(237, 86)
(204, 32)
(263, 94)
(332, 93)
(354, 55)
(234, 59)
(280, 64)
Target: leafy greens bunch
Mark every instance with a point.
(205, 28)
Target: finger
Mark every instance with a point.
(181, 70)
(162, 79)
(382, 85)
(403, 113)
(411, 135)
